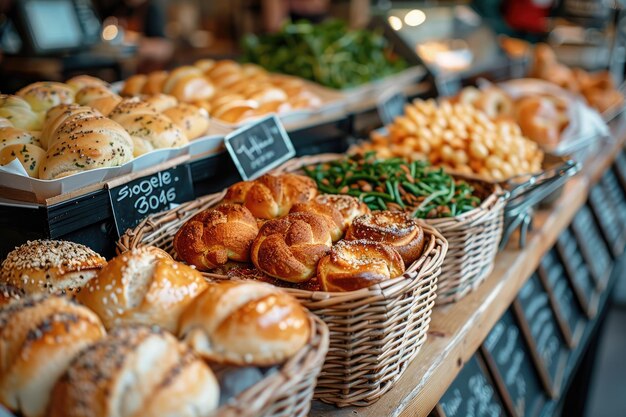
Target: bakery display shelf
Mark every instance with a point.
(457, 330)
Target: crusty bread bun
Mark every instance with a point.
(193, 120)
(85, 142)
(9, 293)
(45, 94)
(204, 64)
(154, 82)
(235, 111)
(272, 195)
(39, 336)
(99, 97)
(40, 266)
(57, 116)
(142, 286)
(133, 85)
(191, 88)
(538, 117)
(495, 102)
(135, 371)
(356, 264)
(214, 236)
(340, 209)
(160, 102)
(30, 156)
(289, 248)
(245, 323)
(81, 81)
(19, 113)
(394, 228)
(14, 136)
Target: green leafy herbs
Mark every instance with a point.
(328, 53)
(395, 184)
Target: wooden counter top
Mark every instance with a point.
(457, 330)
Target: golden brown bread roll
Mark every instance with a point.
(245, 323)
(495, 103)
(85, 141)
(133, 85)
(4, 122)
(204, 64)
(30, 156)
(340, 209)
(356, 264)
(289, 248)
(149, 129)
(58, 115)
(235, 111)
(98, 97)
(45, 94)
(214, 236)
(50, 266)
(187, 83)
(135, 371)
(14, 136)
(39, 336)
(272, 195)
(394, 228)
(154, 82)
(193, 120)
(81, 81)
(9, 293)
(19, 113)
(160, 102)
(538, 118)
(142, 286)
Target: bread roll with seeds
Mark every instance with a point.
(9, 293)
(245, 323)
(81, 81)
(30, 156)
(193, 120)
(15, 136)
(19, 113)
(136, 371)
(142, 286)
(57, 115)
(46, 94)
(50, 266)
(98, 97)
(356, 264)
(39, 336)
(160, 102)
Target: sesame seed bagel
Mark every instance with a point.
(135, 371)
(50, 266)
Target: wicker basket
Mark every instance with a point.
(473, 237)
(289, 391)
(374, 332)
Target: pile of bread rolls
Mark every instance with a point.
(298, 238)
(541, 117)
(598, 88)
(57, 129)
(139, 335)
(459, 138)
(231, 92)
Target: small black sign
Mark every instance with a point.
(133, 201)
(391, 106)
(509, 359)
(540, 326)
(259, 147)
(602, 207)
(571, 317)
(592, 246)
(578, 273)
(472, 393)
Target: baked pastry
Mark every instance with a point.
(193, 120)
(271, 195)
(187, 83)
(354, 264)
(538, 117)
(340, 209)
(49, 266)
(135, 371)
(19, 113)
(81, 81)
(39, 337)
(142, 286)
(14, 136)
(30, 156)
(85, 141)
(245, 323)
(4, 122)
(99, 97)
(149, 129)
(214, 236)
(133, 86)
(45, 94)
(160, 102)
(235, 111)
(289, 248)
(9, 293)
(58, 115)
(394, 228)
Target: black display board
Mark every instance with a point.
(607, 218)
(472, 393)
(509, 359)
(578, 272)
(135, 200)
(569, 314)
(259, 147)
(540, 327)
(592, 246)
(615, 192)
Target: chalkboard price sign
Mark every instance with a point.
(592, 246)
(390, 106)
(471, 394)
(541, 329)
(133, 201)
(578, 273)
(259, 147)
(509, 360)
(570, 317)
